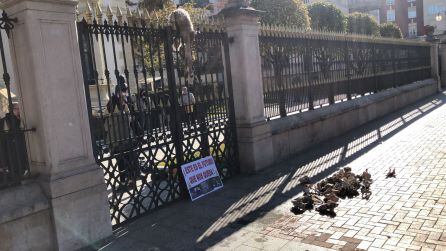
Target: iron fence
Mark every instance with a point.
(13, 156)
(149, 113)
(302, 70)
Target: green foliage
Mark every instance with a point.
(154, 5)
(326, 17)
(154, 56)
(198, 3)
(390, 30)
(161, 14)
(283, 12)
(361, 23)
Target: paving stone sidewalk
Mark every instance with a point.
(253, 213)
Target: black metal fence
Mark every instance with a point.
(13, 156)
(303, 70)
(149, 114)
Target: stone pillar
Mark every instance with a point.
(48, 72)
(254, 133)
(434, 64)
(443, 64)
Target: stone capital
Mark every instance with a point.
(8, 3)
(239, 11)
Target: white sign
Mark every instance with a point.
(201, 177)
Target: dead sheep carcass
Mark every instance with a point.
(181, 22)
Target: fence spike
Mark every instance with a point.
(99, 13)
(119, 15)
(129, 17)
(109, 14)
(138, 13)
(136, 17)
(77, 13)
(146, 15)
(88, 13)
(129, 13)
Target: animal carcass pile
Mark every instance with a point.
(324, 196)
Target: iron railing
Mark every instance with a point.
(13, 156)
(144, 123)
(302, 70)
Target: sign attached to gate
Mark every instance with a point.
(201, 177)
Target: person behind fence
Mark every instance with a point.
(138, 108)
(162, 103)
(145, 105)
(119, 135)
(12, 144)
(187, 102)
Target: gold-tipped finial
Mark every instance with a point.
(98, 13)
(146, 16)
(119, 15)
(109, 14)
(88, 13)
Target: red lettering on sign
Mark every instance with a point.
(207, 173)
(192, 179)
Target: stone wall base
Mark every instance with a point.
(29, 220)
(295, 133)
(25, 219)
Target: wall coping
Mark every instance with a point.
(19, 201)
(302, 119)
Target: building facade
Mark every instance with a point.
(371, 7)
(408, 15)
(341, 4)
(432, 8)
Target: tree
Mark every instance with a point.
(326, 17)
(155, 5)
(361, 23)
(153, 46)
(283, 12)
(277, 56)
(197, 3)
(390, 30)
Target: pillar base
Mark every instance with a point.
(79, 208)
(255, 147)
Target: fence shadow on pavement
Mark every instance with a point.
(247, 201)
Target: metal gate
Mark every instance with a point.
(147, 118)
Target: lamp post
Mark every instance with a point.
(439, 16)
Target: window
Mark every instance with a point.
(375, 14)
(390, 2)
(390, 15)
(413, 30)
(412, 12)
(434, 9)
